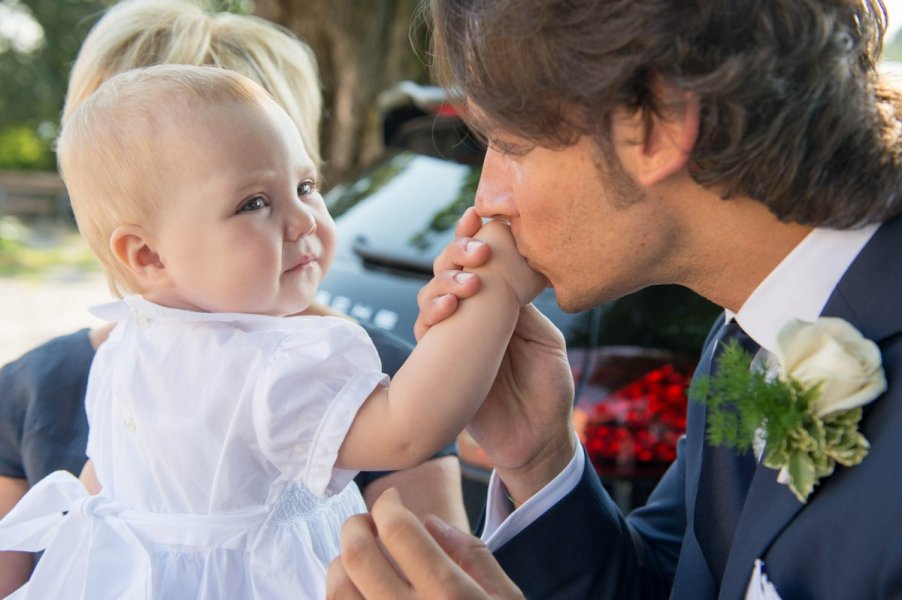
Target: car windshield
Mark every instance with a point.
(412, 203)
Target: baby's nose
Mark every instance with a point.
(301, 222)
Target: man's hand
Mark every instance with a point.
(525, 425)
(391, 554)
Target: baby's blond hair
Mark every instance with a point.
(141, 33)
(110, 154)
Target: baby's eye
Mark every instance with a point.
(307, 187)
(255, 203)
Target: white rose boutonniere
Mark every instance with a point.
(809, 409)
(833, 354)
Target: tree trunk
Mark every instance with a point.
(363, 47)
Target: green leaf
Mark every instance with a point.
(802, 472)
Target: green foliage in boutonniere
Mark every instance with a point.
(806, 406)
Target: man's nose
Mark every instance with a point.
(494, 195)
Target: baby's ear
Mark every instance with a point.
(132, 247)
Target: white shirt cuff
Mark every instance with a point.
(501, 524)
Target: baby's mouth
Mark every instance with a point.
(302, 263)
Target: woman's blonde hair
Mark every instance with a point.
(141, 33)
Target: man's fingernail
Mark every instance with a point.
(462, 277)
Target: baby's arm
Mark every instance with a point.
(450, 371)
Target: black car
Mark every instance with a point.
(631, 358)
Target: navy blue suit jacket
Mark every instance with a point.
(844, 543)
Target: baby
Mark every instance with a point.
(223, 434)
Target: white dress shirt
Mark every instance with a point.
(798, 288)
(801, 284)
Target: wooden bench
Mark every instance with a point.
(34, 195)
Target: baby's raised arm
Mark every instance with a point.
(450, 371)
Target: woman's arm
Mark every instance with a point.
(88, 478)
(15, 567)
(432, 488)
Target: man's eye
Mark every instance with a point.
(255, 203)
(305, 188)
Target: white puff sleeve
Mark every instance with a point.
(307, 396)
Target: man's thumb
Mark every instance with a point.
(472, 556)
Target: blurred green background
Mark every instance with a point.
(38, 42)
(362, 47)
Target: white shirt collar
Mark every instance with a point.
(799, 287)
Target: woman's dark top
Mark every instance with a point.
(43, 426)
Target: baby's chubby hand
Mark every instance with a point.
(507, 263)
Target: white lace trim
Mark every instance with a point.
(297, 503)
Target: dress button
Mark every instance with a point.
(129, 423)
(142, 320)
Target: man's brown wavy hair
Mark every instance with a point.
(793, 111)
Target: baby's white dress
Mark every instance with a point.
(214, 438)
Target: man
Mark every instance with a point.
(746, 150)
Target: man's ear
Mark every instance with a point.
(652, 147)
(132, 247)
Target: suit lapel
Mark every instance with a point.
(696, 421)
(769, 507)
(862, 297)
(867, 296)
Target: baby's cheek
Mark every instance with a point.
(327, 249)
